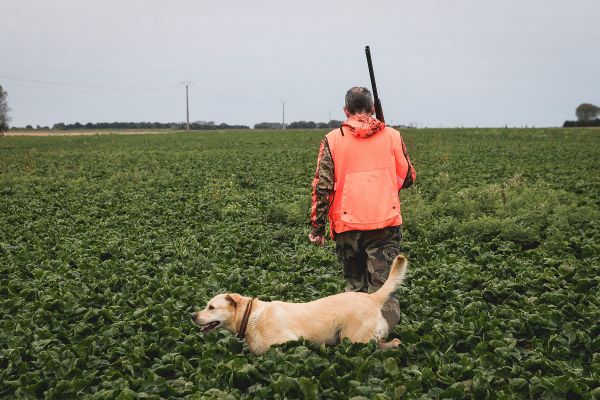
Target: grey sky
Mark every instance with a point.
(442, 62)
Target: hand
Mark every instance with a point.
(318, 240)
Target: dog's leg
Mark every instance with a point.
(392, 344)
(358, 335)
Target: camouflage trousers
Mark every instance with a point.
(366, 258)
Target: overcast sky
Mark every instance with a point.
(437, 63)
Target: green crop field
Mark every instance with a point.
(107, 243)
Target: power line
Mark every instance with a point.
(48, 85)
(233, 99)
(55, 89)
(77, 86)
(70, 86)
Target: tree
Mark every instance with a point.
(267, 125)
(587, 112)
(334, 123)
(302, 125)
(4, 109)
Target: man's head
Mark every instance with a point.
(359, 101)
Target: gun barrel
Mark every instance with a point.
(377, 102)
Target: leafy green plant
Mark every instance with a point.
(107, 243)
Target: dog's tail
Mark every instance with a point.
(396, 277)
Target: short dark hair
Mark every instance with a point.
(359, 100)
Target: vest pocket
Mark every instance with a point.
(369, 197)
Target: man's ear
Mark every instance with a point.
(347, 112)
(373, 110)
(234, 299)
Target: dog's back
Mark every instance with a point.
(355, 315)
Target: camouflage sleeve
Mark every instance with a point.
(322, 189)
(411, 174)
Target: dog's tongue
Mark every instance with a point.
(209, 326)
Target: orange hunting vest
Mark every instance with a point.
(369, 172)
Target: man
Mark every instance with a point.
(360, 169)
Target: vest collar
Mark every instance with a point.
(363, 125)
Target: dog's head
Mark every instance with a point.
(220, 312)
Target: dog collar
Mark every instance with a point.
(242, 331)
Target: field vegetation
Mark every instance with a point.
(108, 242)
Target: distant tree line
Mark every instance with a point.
(587, 116)
(197, 125)
(268, 125)
(29, 128)
(582, 124)
(299, 125)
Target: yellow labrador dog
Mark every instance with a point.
(354, 315)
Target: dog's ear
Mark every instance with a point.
(234, 299)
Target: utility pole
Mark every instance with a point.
(283, 114)
(187, 84)
(329, 117)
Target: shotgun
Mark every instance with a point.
(377, 102)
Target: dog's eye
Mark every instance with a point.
(211, 308)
